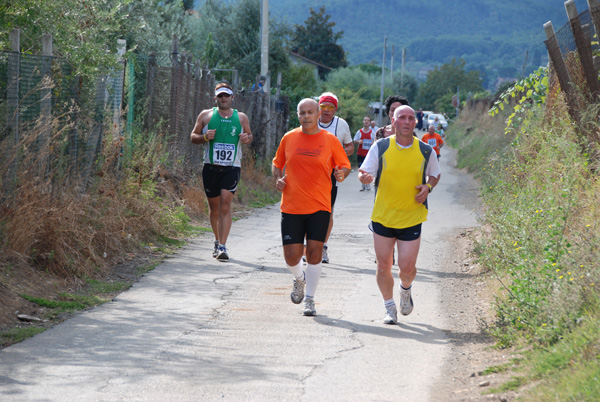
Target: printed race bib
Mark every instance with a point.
(223, 154)
(366, 144)
(432, 142)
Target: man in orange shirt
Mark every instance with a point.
(434, 140)
(308, 154)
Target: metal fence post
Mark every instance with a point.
(174, 81)
(150, 84)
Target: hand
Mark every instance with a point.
(339, 175)
(422, 194)
(245, 138)
(281, 183)
(360, 142)
(364, 177)
(210, 134)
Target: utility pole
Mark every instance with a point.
(457, 100)
(403, 67)
(264, 44)
(380, 117)
(392, 65)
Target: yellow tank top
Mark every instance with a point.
(402, 169)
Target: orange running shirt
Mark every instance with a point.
(308, 161)
(434, 141)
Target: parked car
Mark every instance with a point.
(441, 119)
(426, 113)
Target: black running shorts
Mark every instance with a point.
(406, 234)
(294, 228)
(216, 178)
(333, 190)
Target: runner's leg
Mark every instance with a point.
(384, 247)
(213, 207)
(407, 260)
(224, 216)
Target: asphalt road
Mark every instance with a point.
(195, 329)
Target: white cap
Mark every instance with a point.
(223, 90)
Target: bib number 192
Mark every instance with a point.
(223, 154)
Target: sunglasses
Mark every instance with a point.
(327, 107)
(223, 95)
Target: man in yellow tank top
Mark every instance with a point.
(405, 171)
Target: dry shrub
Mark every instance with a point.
(73, 224)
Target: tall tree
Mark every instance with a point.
(317, 41)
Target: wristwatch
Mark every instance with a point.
(430, 187)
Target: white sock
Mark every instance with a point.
(296, 270)
(313, 274)
(389, 303)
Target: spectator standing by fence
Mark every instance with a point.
(223, 130)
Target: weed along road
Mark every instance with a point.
(196, 329)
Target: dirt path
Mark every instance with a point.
(196, 329)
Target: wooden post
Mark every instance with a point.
(584, 49)
(594, 7)
(560, 68)
(12, 86)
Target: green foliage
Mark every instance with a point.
(227, 35)
(444, 81)
(316, 41)
(525, 93)
(16, 335)
(298, 82)
(82, 32)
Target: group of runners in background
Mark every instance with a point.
(309, 163)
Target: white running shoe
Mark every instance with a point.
(222, 256)
(309, 307)
(325, 258)
(298, 291)
(216, 250)
(406, 301)
(391, 315)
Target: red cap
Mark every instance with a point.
(328, 98)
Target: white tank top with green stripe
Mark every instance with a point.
(225, 149)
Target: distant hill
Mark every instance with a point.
(492, 36)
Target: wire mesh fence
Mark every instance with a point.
(46, 108)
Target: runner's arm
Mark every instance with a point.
(197, 137)
(246, 136)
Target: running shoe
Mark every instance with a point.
(325, 258)
(406, 301)
(223, 256)
(368, 187)
(298, 291)
(216, 250)
(391, 315)
(309, 307)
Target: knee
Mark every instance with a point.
(225, 208)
